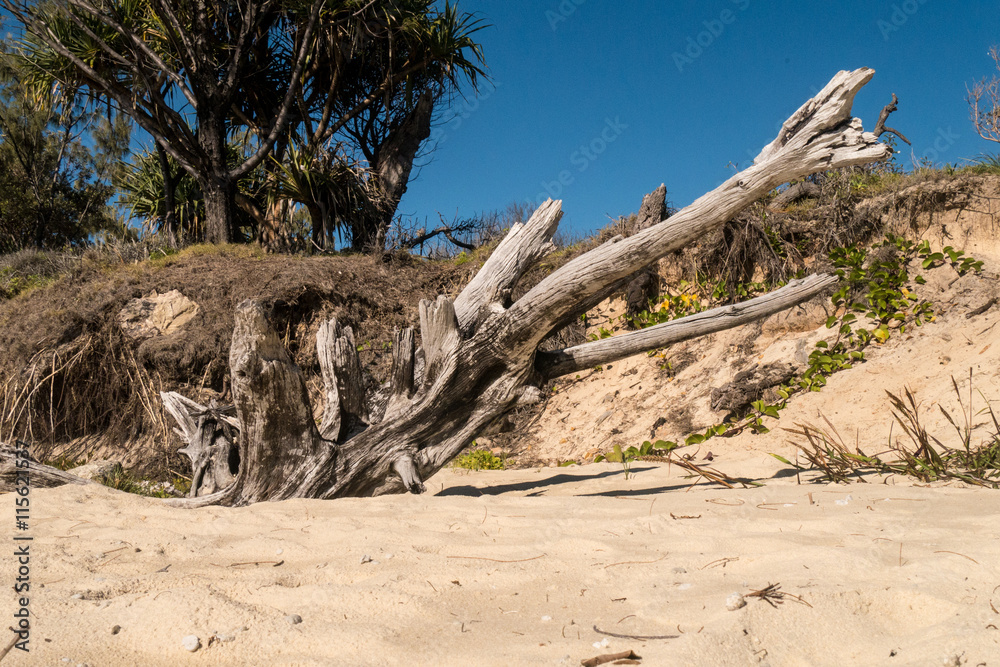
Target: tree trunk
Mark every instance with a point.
(220, 210)
(393, 164)
(479, 357)
(218, 188)
(169, 196)
(645, 287)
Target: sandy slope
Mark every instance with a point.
(885, 569)
(635, 399)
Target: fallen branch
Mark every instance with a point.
(638, 637)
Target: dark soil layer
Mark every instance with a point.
(70, 375)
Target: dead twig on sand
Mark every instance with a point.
(773, 595)
(719, 561)
(637, 562)
(495, 560)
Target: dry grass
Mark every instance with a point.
(921, 455)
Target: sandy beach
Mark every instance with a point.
(523, 568)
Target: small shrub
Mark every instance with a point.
(987, 163)
(480, 459)
(63, 463)
(122, 480)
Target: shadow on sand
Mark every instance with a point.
(540, 486)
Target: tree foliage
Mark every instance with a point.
(56, 159)
(307, 88)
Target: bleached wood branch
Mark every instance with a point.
(588, 355)
(346, 409)
(820, 135)
(524, 245)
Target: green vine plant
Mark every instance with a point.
(876, 298)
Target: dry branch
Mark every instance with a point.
(880, 126)
(40, 474)
(588, 355)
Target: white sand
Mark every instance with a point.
(885, 568)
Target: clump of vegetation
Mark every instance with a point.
(12, 285)
(64, 463)
(987, 163)
(124, 480)
(665, 450)
(924, 457)
(669, 307)
(480, 459)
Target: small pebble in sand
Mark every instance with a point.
(191, 643)
(279, 552)
(735, 601)
(679, 570)
(115, 629)
(76, 596)
(366, 559)
(546, 619)
(293, 619)
(601, 644)
(953, 661)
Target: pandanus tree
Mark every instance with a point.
(191, 73)
(388, 85)
(478, 354)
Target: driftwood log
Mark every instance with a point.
(41, 475)
(478, 355)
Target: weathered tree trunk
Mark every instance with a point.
(393, 164)
(39, 474)
(218, 188)
(645, 287)
(479, 353)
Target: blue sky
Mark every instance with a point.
(615, 98)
